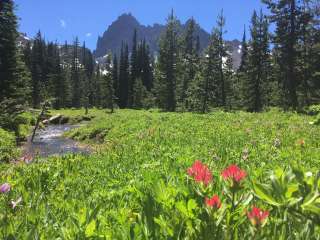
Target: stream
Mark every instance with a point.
(50, 141)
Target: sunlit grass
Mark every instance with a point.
(136, 150)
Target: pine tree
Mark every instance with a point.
(244, 53)
(189, 63)
(308, 50)
(139, 94)
(145, 65)
(222, 53)
(259, 64)
(168, 66)
(50, 70)
(198, 95)
(38, 70)
(134, 71)
(87, 61)
(274, 92)
(58, 79)
(315, 53)
(286, 15)
(209, 76)
(75, 75)
(212, 87)
(66, 60)
(97, 97)
(242, 75)
(88, 68)
(86, 75)
(85, 91)
(27, 55)
(14, 76)
(115, 77)
(108, 85)
(201, 92)
(8, 49)
(230, 83)
(124, 77)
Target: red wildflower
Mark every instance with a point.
(235, 173)
(27, 158)
(200, 172)
(301, 142)
(257, 216)
(213, 202)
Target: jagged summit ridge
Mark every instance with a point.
(121, 30)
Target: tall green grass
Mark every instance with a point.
(135, 155)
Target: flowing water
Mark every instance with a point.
(50, 141)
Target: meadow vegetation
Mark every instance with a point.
(256, 177)
(167, 175)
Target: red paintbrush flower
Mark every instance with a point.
(234, 173)
(257, 216)
(200, 172)
(301, 143)
(213, 202)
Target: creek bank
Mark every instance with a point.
(50, 141)
(49, 138)
(62, 119)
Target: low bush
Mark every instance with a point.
(314, 110)
(8, 149)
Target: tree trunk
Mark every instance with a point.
(38, 121)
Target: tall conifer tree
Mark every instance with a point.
(115, 77)
(134, 69)
(257, 85)
(38, 70)
(167, 64)
(124, 76)
(222, 54)
(75, 75)
(14, 77)
(286, 15)
(189, 63)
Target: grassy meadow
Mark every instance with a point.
(135, 184)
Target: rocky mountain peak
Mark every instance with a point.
(123, 28)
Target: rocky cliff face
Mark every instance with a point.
(122, 30)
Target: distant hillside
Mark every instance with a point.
(22, 40)
(66, 53)
(122, 30)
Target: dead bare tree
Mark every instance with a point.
(44, 110)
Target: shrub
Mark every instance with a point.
(314, 110)
(8, 150)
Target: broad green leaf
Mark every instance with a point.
(263, 194)
(164, 225)
(181, 206)
(192, 205)
(90, 229)
(312, 208)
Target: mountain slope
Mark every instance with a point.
(122, 30)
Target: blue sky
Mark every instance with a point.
(64, 19)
